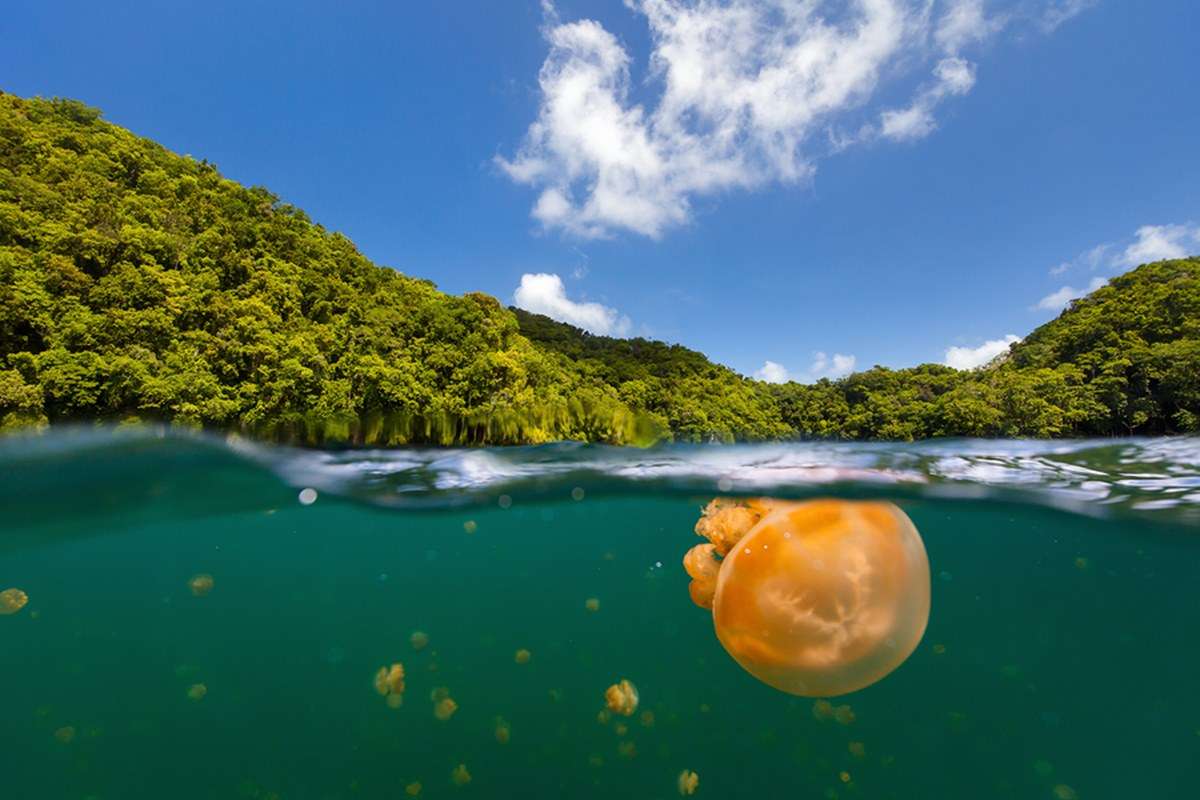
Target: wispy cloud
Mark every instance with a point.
(1061, 11)
(1057, 300)
(1149, 243)
(1094, 258)
(544, 293)
(1158, 242)
(742, 88)
(972, 357)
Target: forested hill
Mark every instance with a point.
(139, 284)
(1123, 360)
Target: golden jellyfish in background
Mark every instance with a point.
(688, 782)
(196, 692)
(502, 730)
(413, 789)
(201, 584)
(522, 656)
(460, 776)
(418, 640)
(817, 598)
(444, 709)
(389, 682)
(622, 698)
(12, 601)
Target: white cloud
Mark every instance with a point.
(544, 293)
(1149, 243)
(972, 357)
(772, 372)
(836, 366)
(1158, 242)
(740, 87)
(1056, 301)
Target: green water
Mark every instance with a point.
(1069, 666)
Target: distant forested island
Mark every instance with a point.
(137, 284)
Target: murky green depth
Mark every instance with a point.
(1060, 660)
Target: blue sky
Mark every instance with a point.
(857, 183)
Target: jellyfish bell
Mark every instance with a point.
(817, 598)
(12, 601)
(622, 698)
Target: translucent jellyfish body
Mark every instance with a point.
(817, 598)
(460, 776)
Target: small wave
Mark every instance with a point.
(1158, 476)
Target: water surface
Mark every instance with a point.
(1059, 661)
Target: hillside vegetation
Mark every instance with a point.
(136, 284)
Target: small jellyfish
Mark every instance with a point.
(626, 749)
(470, 526)
(444, 709)
(688, 782)
(196, 692)
(844, 715)
(844, 776)
(620, 729)
(817, 598)
(390, 680)
(413, 789)
(577, 493)
(1082, 564)
(522, 656)
(939, 649)
(592, 604)
(604, 716)
(501, 730)
(622, 698)
(12, 601)
(439, 693)
(418, 640)
(65, 734)
(1064, 792)
(201, 584)
(822, 710)
(596, 760)
(647, 719)
(857, 749)
(459, 776)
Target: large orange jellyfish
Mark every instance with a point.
(817, 598)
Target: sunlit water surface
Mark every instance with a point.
(1060, 659)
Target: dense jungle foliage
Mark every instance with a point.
(136, 284)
